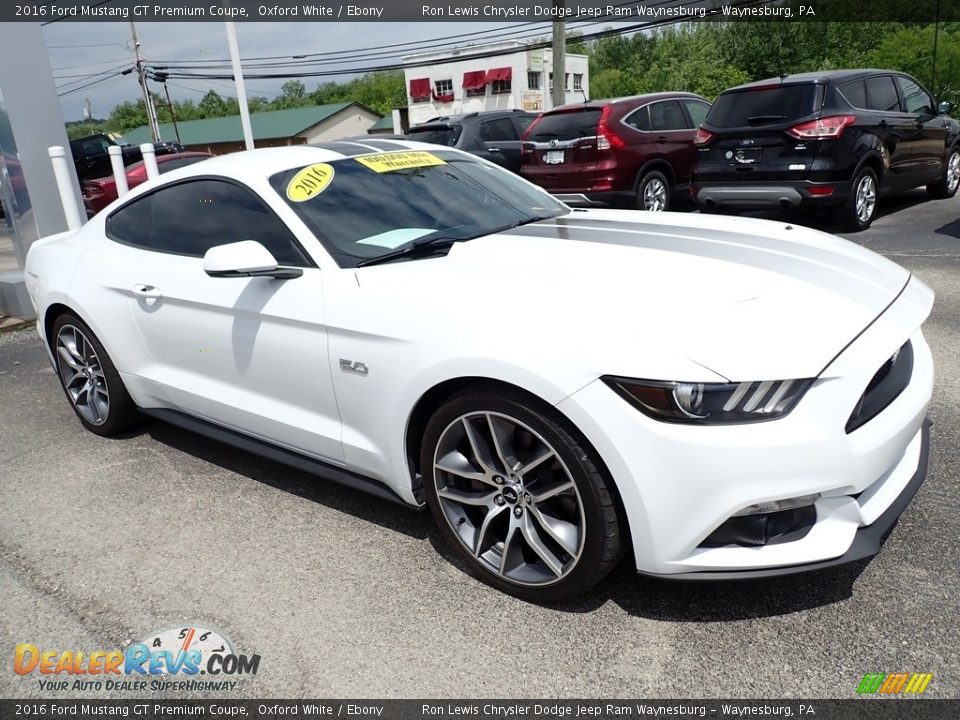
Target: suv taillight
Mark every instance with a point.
(822, 129)
(702, 137)
(606, 138)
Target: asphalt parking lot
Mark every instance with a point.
(103, 541)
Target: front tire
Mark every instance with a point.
(89, 379)
(519, 496)
(946, 186)
(860, 208)
(653, 192)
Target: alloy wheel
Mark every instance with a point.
(866, 198)
(953, 172)
(82, 375)
(509, 498)
(655, 195)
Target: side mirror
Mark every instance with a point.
(945, 108)
(245, 259)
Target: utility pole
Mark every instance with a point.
(161, 77)
(933, 73)
(559, 55)
(147, 102)
(88, 110)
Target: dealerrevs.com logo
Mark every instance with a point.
(173, 659)
(897, 683)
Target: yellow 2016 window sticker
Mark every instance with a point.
(387, 162)
(309, 182)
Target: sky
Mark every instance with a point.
(77, 50)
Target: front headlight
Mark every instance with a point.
(711, 403)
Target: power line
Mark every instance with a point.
(90, 84)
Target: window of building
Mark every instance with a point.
(566, 81)
(578, 81)
(477, 92)
(533, 80)
(443, 87)
(499, 87)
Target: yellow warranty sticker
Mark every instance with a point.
(387, 162)
(310, 182)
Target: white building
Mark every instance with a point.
(454, 83)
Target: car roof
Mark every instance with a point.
(814, 77)
(252, 166)
(638, 99)
(478, 115)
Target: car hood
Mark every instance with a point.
(652, 294)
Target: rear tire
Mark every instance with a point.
(946, 186)
(654, 192)
(859, 209)
(518, 495)
(89, 379)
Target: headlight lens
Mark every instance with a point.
(711, 403)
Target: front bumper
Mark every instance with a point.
(866, 542)
(680, 483)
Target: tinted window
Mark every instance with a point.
(567, 125)
(855, 93)
(496, 130)
(766, 104)
(460, 198)
(640, 118)
(667, 115)
(524, 121)
(915, 98)
(698, 111)
(131, 223)
(882, 94)
(438, 134)
(192, 217)
(165, 167)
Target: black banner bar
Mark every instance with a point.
(521, 11)
(146, 709)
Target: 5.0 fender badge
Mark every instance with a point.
(351, 366)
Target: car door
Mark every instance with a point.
(248, 353)
(927, 153)
(672, 134)
(501, 143)
(898, 130)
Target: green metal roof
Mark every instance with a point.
(265, 125)
(384, 123)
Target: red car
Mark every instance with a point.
(99, 193)
(635, 150)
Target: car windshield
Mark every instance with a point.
(367, 206)
(758, 106)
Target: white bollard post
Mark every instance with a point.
(58, 156)
(150, 161)
(119, 171)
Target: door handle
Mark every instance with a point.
(883, 124)
(662, 138)
(148, 293)
(493, 149)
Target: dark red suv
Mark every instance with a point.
(636, 150)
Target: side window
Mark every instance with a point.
(667, 115)
(131, 223)
(524, 122)
(855, 93)
(498, 130)
(639, 119)
(698, 111)
(191, 217)
(882, 94)
(915, 98)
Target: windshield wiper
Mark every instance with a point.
(765, 118)
(424, 246)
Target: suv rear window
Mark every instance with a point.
(774, 104)
(566, 125)
(437, 134)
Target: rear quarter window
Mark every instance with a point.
(768, 104)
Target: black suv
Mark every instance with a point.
(92, 159)
(837, 138)
(493, 134)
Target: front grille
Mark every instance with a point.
(884, 387)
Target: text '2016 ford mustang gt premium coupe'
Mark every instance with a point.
(723, 397)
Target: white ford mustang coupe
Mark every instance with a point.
(725, 398)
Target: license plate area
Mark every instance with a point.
(744, 156)
(553, 157)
